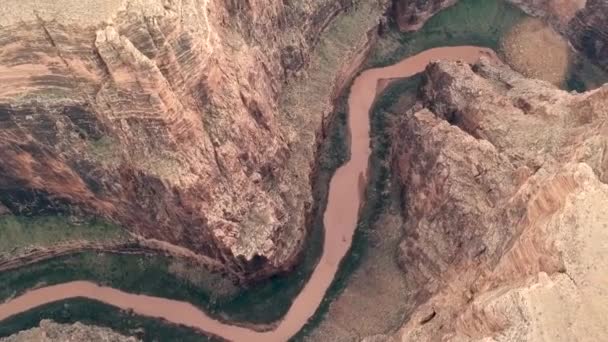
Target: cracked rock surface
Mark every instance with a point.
(504, 183)
(163, 116)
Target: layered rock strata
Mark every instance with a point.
(165, 117)
(504, 185)
(588, 31)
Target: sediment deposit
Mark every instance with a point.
(535, 49)
(49, 331)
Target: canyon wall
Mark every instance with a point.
(588, 31)
(410, 15)
(165, 117)
(504, 181)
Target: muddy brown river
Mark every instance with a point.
(340, 221)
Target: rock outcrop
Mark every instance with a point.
(49, 331)
(588, 31)
(163, 116)
(504, 183)
(410, 15)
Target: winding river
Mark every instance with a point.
(340, 219)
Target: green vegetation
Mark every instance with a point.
(380, 196)
(469, 22)
(19, 232)
(133, 273)
(95, 313)
(261, 303)
(104, 149)
(265, 302)
(305, 100)
(164, 277)
(474, 22)
(156, 275)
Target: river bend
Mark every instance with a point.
(340, 220)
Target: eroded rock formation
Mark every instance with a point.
(163, 116)
(410, 15)
(49, 331)
(587, 31)
(504, 184)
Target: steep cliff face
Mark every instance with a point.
(587, 31)
(410, 15)
(162, 116)
(504, 181)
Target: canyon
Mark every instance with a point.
(164, 119)
(155, 116)
(340, 222)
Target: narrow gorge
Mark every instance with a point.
(316, 170)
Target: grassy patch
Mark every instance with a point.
(469, 22)
(160, 276)
(20, 232)
(104, 150)
(95, 313)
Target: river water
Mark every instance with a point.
(340, 219)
